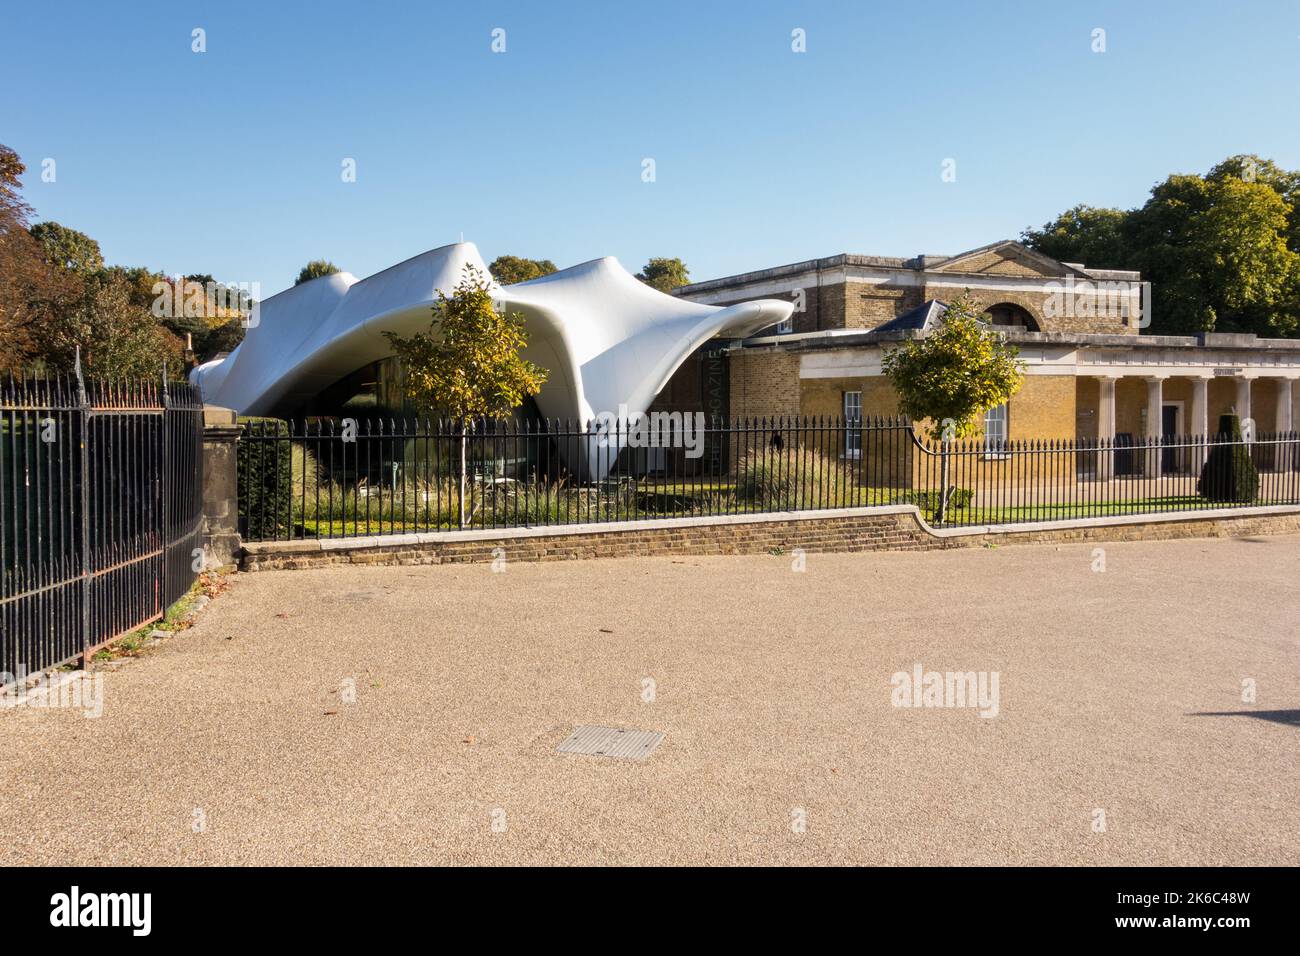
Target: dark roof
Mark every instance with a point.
(923, 318)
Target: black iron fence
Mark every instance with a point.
(100, 513)
(333, 478)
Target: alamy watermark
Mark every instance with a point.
(921, 688)
(74, 690)
(1099, 299)
(189, 299)
(622, 429)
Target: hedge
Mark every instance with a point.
(265, 476)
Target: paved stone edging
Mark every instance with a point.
(891, 528)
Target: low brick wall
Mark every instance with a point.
(897, 528)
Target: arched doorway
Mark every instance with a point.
(1008, 314)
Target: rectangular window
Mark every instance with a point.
(852, 424)
(995, 430)
(785, 327)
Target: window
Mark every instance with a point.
(852, 424)
(995, 430)
(785, 326)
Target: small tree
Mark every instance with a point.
(1228, 473)
(315, 269)
(468, 365)
(952, 376)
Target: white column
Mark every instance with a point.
(1200, 419)
(1242, 408)
(1155, 422)
(1106, 426)
(1283, 418)
(1286, 450)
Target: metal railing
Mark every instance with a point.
(337, 478)
(100, 513)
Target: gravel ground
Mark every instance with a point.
(1118, 691)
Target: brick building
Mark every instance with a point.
(1090, 373)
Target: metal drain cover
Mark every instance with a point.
(611, 742)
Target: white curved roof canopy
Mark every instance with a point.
(607, 339)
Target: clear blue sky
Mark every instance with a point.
(228, 162)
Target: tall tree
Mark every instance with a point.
(1219, 250)
(469, 364)
(665, 274)
(1216, 255)
(508, 270)
(67, 248)
(31, 291)
(315, 269)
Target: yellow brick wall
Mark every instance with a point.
(1043, 408)
(764, 383)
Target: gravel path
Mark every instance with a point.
(1117, 692)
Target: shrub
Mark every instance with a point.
(265, 478)
(1228, 473)
(798, 478)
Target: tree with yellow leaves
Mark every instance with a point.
(468, 365)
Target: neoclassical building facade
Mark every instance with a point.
(1091, 372)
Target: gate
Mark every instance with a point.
(100, 513)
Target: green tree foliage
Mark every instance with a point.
(1083, 234)
(1221, 251)
(315, 269)
(665, 274)
(204, 310)
(218, 339)
(67, 248)
(1254, 169)
(1228, 473)
(117, 337)
(508, 270)
(469, 364)
(954, 374)
(1227, 266)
